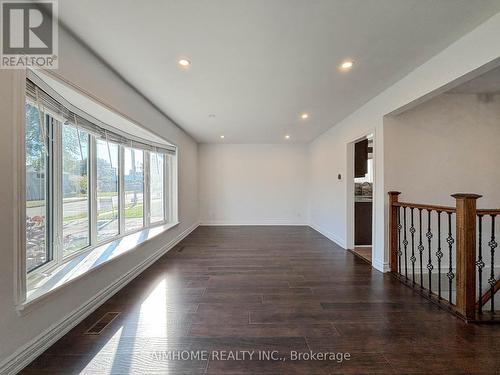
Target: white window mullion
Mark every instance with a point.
(57, 209)
(147, 189)
(166, 189)
(92, 191)
(174, 187)
(121, 188)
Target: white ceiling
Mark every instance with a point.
(257, 64)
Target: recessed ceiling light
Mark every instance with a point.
(304, 116)
(346, 65)
(184, 63)
(222, 137)
(287, 136)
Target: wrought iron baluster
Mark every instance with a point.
(420, 247)
(399, 240)
(439, 253)
(450, 273)
(405, 242)
(413, 258)
(492, 244)
(429, 240)
(480, 263)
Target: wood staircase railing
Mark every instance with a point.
(488, 294)
(440, 251)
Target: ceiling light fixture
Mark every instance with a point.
(304, 116)
(222, 137)
(287, 136)
(346, 65)
(184, 63)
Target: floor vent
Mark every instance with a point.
(102, 323)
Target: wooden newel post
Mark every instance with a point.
(393, 227)
(466, 254)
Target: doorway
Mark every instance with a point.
(363, 198)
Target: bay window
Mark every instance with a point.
(87, 183)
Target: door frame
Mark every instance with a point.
(350, 189)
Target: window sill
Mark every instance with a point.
(41, 285)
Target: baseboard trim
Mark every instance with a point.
(381, 266)
(332, 237)
(237, 224)
(29, 352)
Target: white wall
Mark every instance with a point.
(253, 184)
(328, 208)
(83, 69)
(447, 145)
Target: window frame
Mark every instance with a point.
(166, 190)
(55, 248)
(94, 232)
(59, 198)
(145, 195)
(49, 198)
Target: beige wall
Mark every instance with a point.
(253, 184)
(447, 145)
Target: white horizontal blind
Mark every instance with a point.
(61, 109)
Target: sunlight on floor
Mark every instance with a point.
(154, 307)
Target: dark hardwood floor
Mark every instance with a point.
(364, 252)
(277, 289)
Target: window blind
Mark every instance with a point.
(65, 112)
